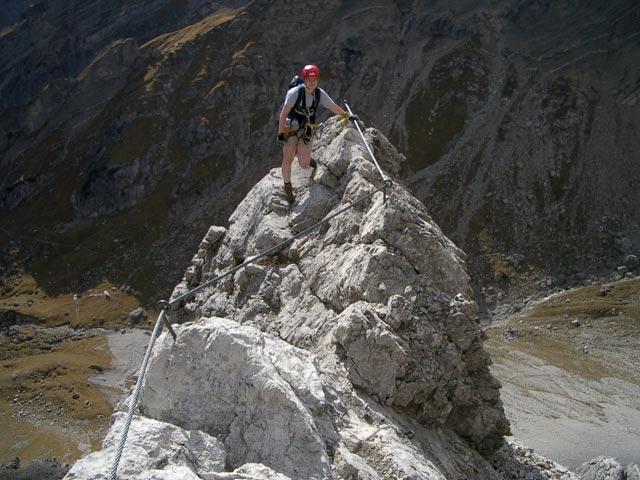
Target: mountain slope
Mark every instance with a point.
(517, 120)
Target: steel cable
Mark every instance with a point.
(167, 305)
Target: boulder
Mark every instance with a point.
(601, 468)
(154, 450)
(631, 261)
(260, 398)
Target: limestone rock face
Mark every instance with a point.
(257, 393)
(379, 291)
(185, 454)
(607, 468)
(351, 352)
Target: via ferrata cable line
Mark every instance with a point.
(167, 305)
(385, 179)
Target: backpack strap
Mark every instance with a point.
(317, 94)
(302, 98)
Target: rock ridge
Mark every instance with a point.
(353, 353)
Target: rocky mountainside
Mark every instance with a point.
(11, 10)
(354, 352)
(128, 128)
(50, 43)
(357, 341)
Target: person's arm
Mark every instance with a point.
(283, 118)
(328, 102)
(344, 115)
(336, 109)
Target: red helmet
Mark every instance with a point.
(310, 71)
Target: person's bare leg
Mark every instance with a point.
(288, 154)
(304, 155)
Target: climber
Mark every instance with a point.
(297, 121)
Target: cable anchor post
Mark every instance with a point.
(165, 306)
(386, 184)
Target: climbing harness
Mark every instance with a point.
(300, 111)
(301, 120)
(167, 305)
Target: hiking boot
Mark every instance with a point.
(288, 192)
(313, 164)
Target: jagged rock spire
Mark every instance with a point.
(354, 351)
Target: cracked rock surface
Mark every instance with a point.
(352, 352)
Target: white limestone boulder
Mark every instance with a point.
(257, 394)
(154, 450)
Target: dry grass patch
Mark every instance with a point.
(592, 331)
(100, 306)
(49, 406)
